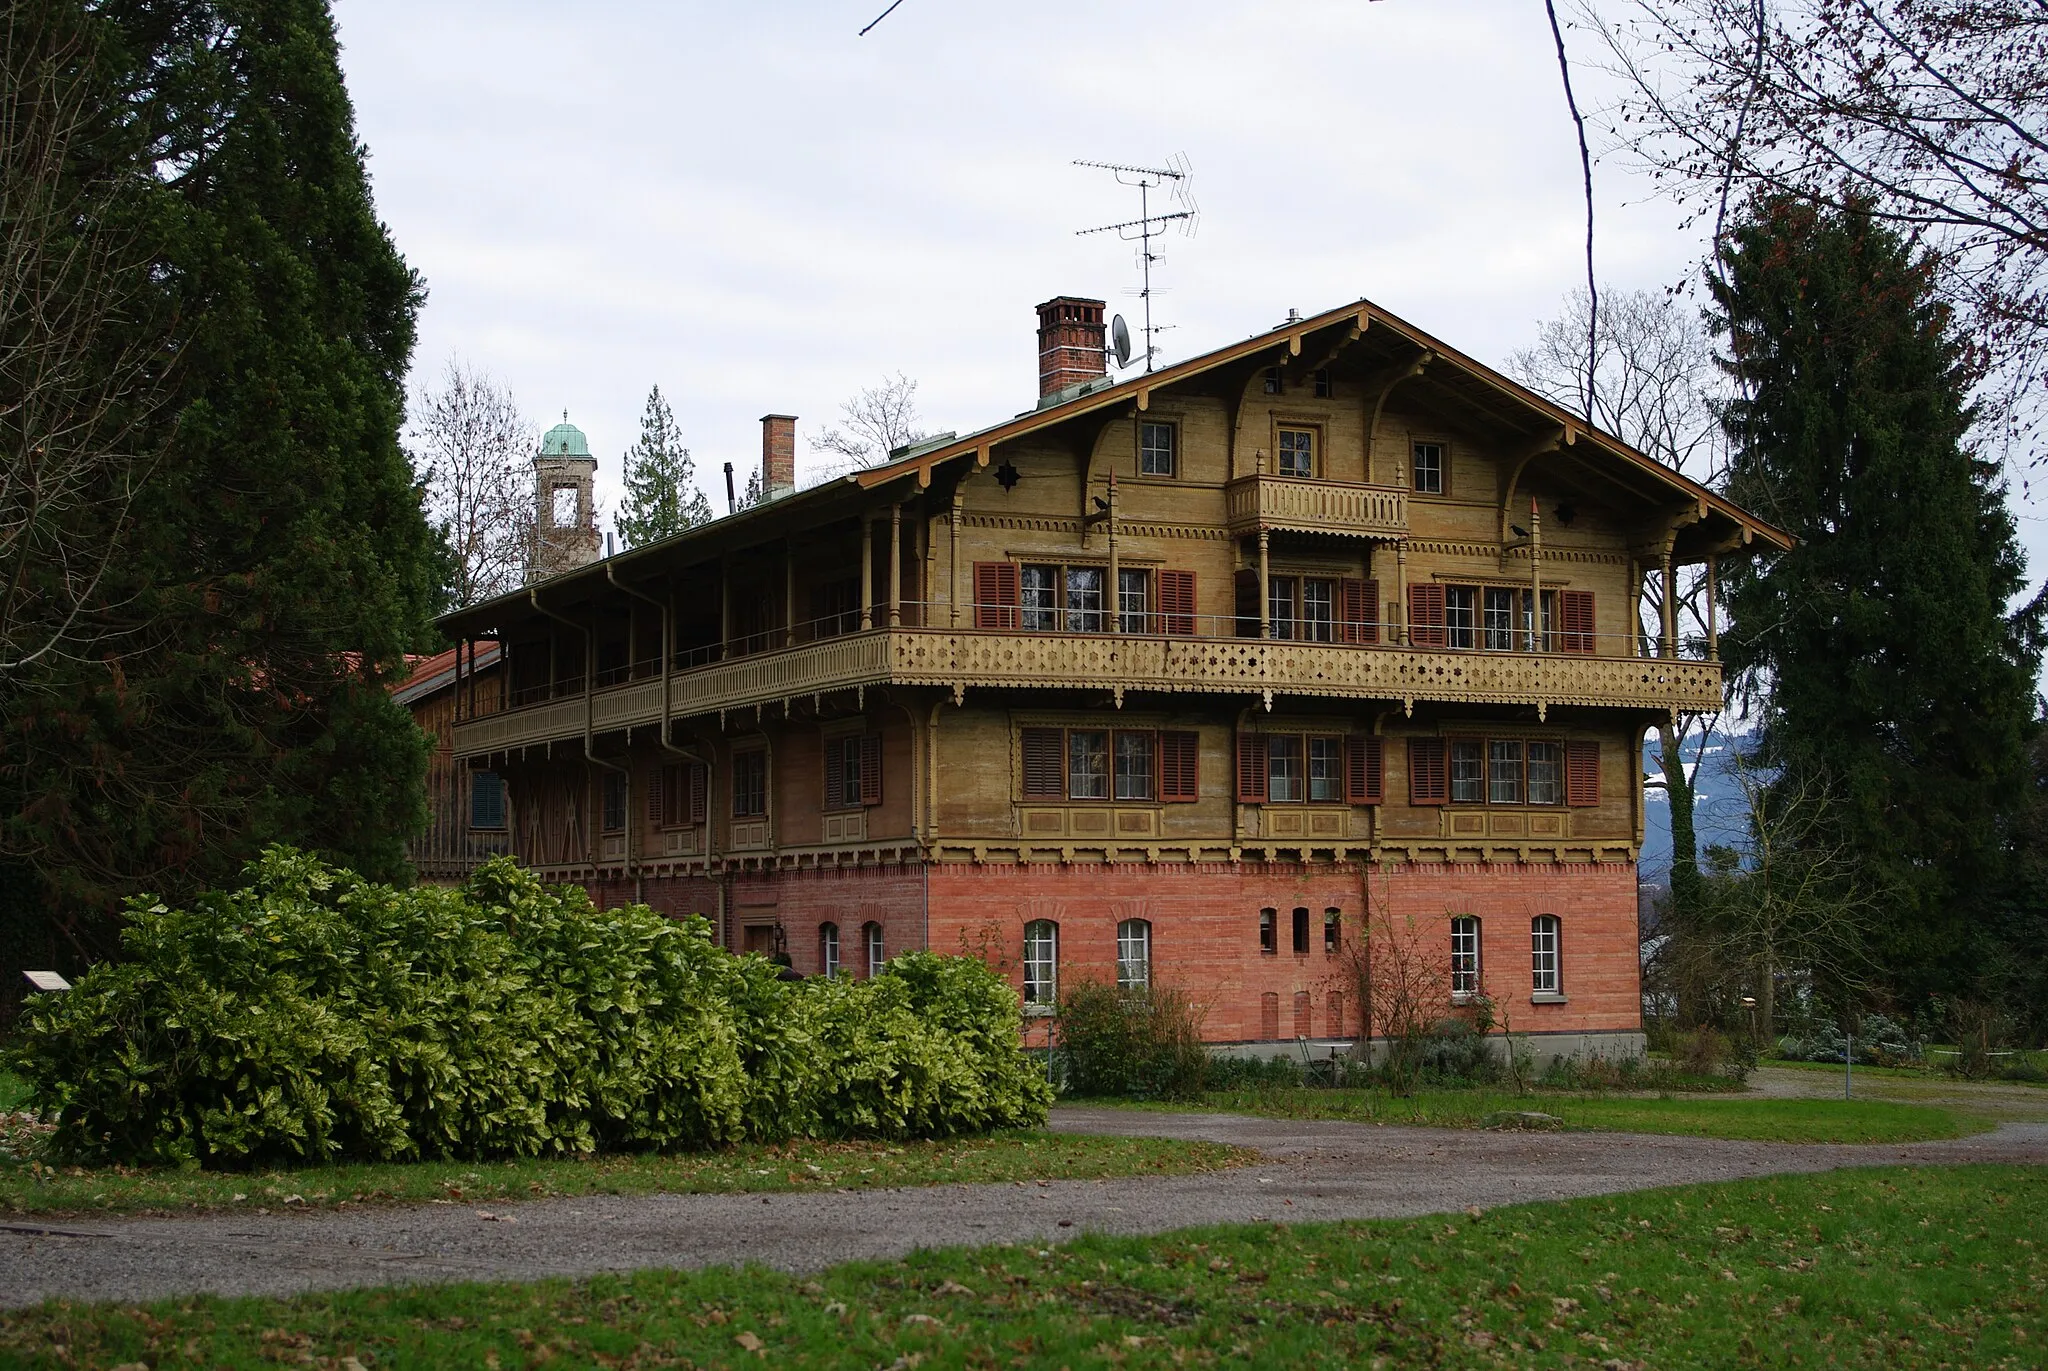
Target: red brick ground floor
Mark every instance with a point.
(1269, 952)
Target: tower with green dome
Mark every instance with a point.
(565, 512)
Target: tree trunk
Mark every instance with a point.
(1678, 792)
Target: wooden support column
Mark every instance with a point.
(867, 571)
(1113, 592)
(1538, 639)
(724, 608)
(1400, 615)
(953, 559)
(788, 594)
(1713, 629)
(1668, 611)
(1265, 603)
(896, 564)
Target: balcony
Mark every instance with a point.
(967, 659)
(1280, 503)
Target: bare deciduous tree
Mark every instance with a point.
(1656, 387)
(474, 451)
(876, 422)
(1932, 114)
(81, 371)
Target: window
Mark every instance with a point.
(1543, 956)
(1100, 764)
(1333, 933)
(1544, 784)
(679, 795)
(563, 504)
(1325, 770)
(1135, 775)
(486, 800)
(1504, 772)
(1317, 613)
(1582, 774)
(871, 939)
(1177, 602)
(1283, 768)
(1460, 604)
(1464, 956)
(749, 785)
(835, 608)
(1041, 962)
(1507, 771)
(1468, 772)
(1269, 931)
(1134, 953)
(1500, 620)
(1280, 606)
(1157, 449)
(1427, 773)
(1324, 389)
(828, 949)
(1429, 468)
(1301, 932)
(1272, 380)
(1039, 611)
(1087, 765)
(1133, 601)
(853, 771)
(1298, 452)
(1084, 599)
(612, 794)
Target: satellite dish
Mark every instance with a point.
(1120, 341)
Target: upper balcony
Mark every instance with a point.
(1285, 503)
(965, 659)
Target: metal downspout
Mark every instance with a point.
(589, 753)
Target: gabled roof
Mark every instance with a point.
(1477, 384)
(436, 673)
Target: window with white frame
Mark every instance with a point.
(1134, 953)
(1088, 764)
(1543, 956)
(828, 949)
(1038, 599)
(1133, 600)
(1464, 956)
(1084, 599)
(1134, 765)
(1041, 962)
(871, 934)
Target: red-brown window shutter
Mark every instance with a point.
(1365, 771)
(655, 791)
(1251, 768)
(835, 772)
(1360, 611)
(1575, 607)
(1426, 616)
(1429, 781)
(700, 797)
(1179, 755)
(871, 768)
(995, 595)
(1177, 602)
(1045, 776)
(1582, 774)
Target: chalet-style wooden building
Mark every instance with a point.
(1188, 677)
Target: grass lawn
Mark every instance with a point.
(27, 1188)
(1931, 1071)
(1699, 1116)
(1906, 1267)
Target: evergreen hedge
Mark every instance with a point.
(315, 1016)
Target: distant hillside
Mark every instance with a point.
(1718, 810)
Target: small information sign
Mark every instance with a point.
(46, 980)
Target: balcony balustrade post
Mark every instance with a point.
(1713, 629)
(953, 561)
(1668, 612)
(896, 564)
(1539, 639)
(1113, 592)
(1400, 615)
(724, 608)
(788, 594)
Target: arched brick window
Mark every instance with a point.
(871, 941)
(828, 949)
(1134, 953)
(1269, 1015)
(1041, 962)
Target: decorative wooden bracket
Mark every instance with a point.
(1563, 436)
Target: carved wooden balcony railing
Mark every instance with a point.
(1280, 502)
(968, 660)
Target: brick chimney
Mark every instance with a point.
(778, 455)
(1070, 346)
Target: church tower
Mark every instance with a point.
(565, 512)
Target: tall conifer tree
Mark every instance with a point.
(1881, 646)
(285, 565)
(662, 498)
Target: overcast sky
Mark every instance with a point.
(760, 211)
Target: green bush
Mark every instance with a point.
(312, 1016)
(1139, 1043)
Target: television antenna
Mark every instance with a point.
(1147, 226)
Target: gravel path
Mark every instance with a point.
(1313, 1171)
